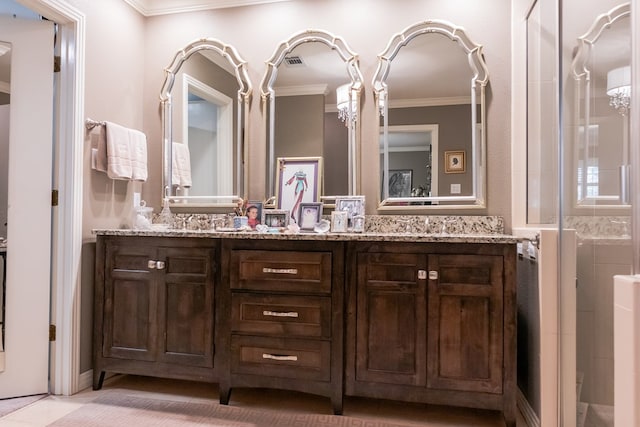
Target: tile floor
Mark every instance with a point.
(51, 408)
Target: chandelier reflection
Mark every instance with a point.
(619, 89)
(346, 110)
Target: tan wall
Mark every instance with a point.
(114, 73)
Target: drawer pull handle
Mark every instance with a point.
(280, 313)
(279, 357)
(280, 270)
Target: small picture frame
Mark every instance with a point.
(276, 218)
(339, 221)
(254, 213)
(309, 215)
(454, 162)
(353, 205)
(358, 223)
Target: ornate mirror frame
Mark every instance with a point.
(478, 135)
(583, 89)
(242, 104)
(268, 94)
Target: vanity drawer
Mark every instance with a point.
(299, 316)
(285, 271)
(280, 357)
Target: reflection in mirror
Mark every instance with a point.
(601, 69)
(433, 74)
(203, 133)
(311, 97)
(413, 170)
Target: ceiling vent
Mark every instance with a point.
(293, 61)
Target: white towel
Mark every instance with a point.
(118, 152)
(181, 165)
(138, 148)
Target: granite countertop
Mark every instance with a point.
(367, 236)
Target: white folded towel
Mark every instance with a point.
(181, 165)
(118, 152)
(138, 149)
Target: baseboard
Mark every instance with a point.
(85, 380)
(529, 415)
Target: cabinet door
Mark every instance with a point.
(186, 316)
(390, 319)
(465, 323)
(130, 303)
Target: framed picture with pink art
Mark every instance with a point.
(298, 180)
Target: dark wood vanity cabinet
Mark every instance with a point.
(154, 307)
(433, 323)
(284, 304)
(428, 322)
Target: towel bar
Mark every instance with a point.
(90, 123)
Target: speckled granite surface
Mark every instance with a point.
(601, 230)
(600, 226)
(400, 228)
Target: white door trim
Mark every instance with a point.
(67, 227)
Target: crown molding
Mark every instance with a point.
(166, 7)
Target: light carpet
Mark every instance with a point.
(8, 406)
(119, 409)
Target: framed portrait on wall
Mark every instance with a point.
(454, 162)
(298, 180)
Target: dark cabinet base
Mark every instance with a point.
(154, 308)
(430, 323)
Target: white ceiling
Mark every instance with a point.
(163, 7)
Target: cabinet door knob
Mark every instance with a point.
(151, 264)
(433, 275)
(160, 265)
(422, 274)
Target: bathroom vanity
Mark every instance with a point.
(409, 317)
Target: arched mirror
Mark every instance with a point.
(430, 91)
(205, 97)
(311, 98)
(602, 89)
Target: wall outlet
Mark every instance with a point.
(455, 188)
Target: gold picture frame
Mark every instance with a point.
(454, 162)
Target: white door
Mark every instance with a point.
(26, 340)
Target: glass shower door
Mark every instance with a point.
(595, 196)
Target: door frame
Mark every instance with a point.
(68, 179)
